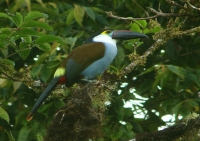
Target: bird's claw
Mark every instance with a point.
(63, 115)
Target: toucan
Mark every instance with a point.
(87, 61)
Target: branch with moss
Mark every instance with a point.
(7, 72)
(160, 38)
(185, 129)
(82, 116)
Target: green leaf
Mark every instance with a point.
(185, 110)
(10, 136)
(53, 64)
(23, 134)
(159, 77)
(79, 14)
(177, 107)
(142, 23)
(4, 115)
(7, 31)
(46, 75)
(135, 27)
(137, 127)
(165, 78)
(20, 4)
(46, 47)
(129, 126)
(35, 70)
(42, 58)
(116, 135)
(4, 38)
(3, 15)
(120, 59)
(70, 17)
(40, 137)
(90, 13)
(97, 10)
(147, 71)
(101, 19)
(27, 39)
(24, 50)
(71, 41)
(80, 33)
(5, 52)
(154, 30)
(145, 86)
(17, 19)
(9, 62)
(37, 24)
(48, 39)
(128, 111)
(192, 77)
(177, 70)
(33, 15)
(28, 31)
(119, 109)
(192, 103)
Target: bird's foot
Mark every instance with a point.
(88, 81)
(63, 115)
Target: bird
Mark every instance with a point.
(87, 61)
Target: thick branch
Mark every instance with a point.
(179, 130)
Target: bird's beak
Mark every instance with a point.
(126, 35)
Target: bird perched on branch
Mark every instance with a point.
(87, 61)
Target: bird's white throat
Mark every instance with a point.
(105, 39)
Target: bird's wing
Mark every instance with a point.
(80, 58)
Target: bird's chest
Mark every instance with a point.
(100, 65)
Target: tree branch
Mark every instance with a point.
(182, 130)
(175, 3)
(141, 8)
(192, 6)
(161, 38)
(157, 14)
(21, 76)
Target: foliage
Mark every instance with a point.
(157, 76)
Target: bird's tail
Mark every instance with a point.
(44, 95)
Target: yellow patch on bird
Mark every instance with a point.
(104, 32)
(59, 72)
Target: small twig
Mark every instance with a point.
(158, 14)
(123, 56)
(176, 4)
(17, 52)
(185, 54)
(159, 8)
(141, 8)
(129, 18)
(192, 6)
